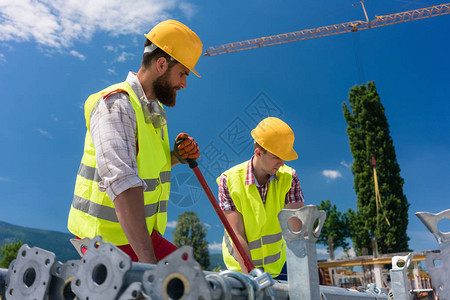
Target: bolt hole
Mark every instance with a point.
(150, 278)
(444, 226)
(24, 253)
(295, 224)
(401, 263)
(175, 289)
(29, 277)
(99, 274)
(122, 264)
(47, 262)
(11, 292)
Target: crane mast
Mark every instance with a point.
(352, 26)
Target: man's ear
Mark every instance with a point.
(161, 65)
(258, 152)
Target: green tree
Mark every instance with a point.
(191, 232)
(8, 253)
(369, 136)
(335, 230)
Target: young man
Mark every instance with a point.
(252, 194)
(123, 183)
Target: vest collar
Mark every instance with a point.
(250, 176)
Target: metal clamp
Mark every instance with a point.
(262, 282)
(245, 280)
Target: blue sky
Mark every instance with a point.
(54, 54)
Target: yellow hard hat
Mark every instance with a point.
(177, 40)
(276, 137)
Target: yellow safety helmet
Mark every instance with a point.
(177, 40)
(276, 137)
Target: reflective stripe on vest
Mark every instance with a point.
(267, 239)
(109, 213)
(91, 173)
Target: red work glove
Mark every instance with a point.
(185, 147)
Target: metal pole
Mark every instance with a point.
(399, 278)
(301, 253)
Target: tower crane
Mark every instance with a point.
(353, 26)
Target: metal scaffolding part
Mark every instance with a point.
(63, 274)
(101, 272)
(438, 264)
(177, 275)
(399, 277)
(336, 293)
(29, 274)
(105, 272)
(301, 253)
(352, 26)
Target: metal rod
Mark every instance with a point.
(194, 166)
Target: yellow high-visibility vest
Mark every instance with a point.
(262, 228)
(92, 212)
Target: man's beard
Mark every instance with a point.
(164, 92)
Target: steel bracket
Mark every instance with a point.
(301, 252)
(101, 272)
(439, 273)
(399, 277)
(177, 276)
(29, 274)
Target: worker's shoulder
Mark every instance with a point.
(237, 168)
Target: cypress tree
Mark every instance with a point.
(369, 136)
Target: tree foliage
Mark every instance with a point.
(191, 232)
(336, 225)
(8, 253)
(369, 135)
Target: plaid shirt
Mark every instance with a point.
(294, 195)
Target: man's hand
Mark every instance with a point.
(185, 147)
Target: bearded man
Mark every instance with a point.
(123, 183)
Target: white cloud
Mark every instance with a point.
(110, 48)
(215, 246)
(4, 179)
(345, 164)
(2, 58)
(111, 71)
(55, 118)
(331, 174)
(172, 224)
(59, 23)
(208, 226)
(124, 56)
(44, 133)
(77, 54)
